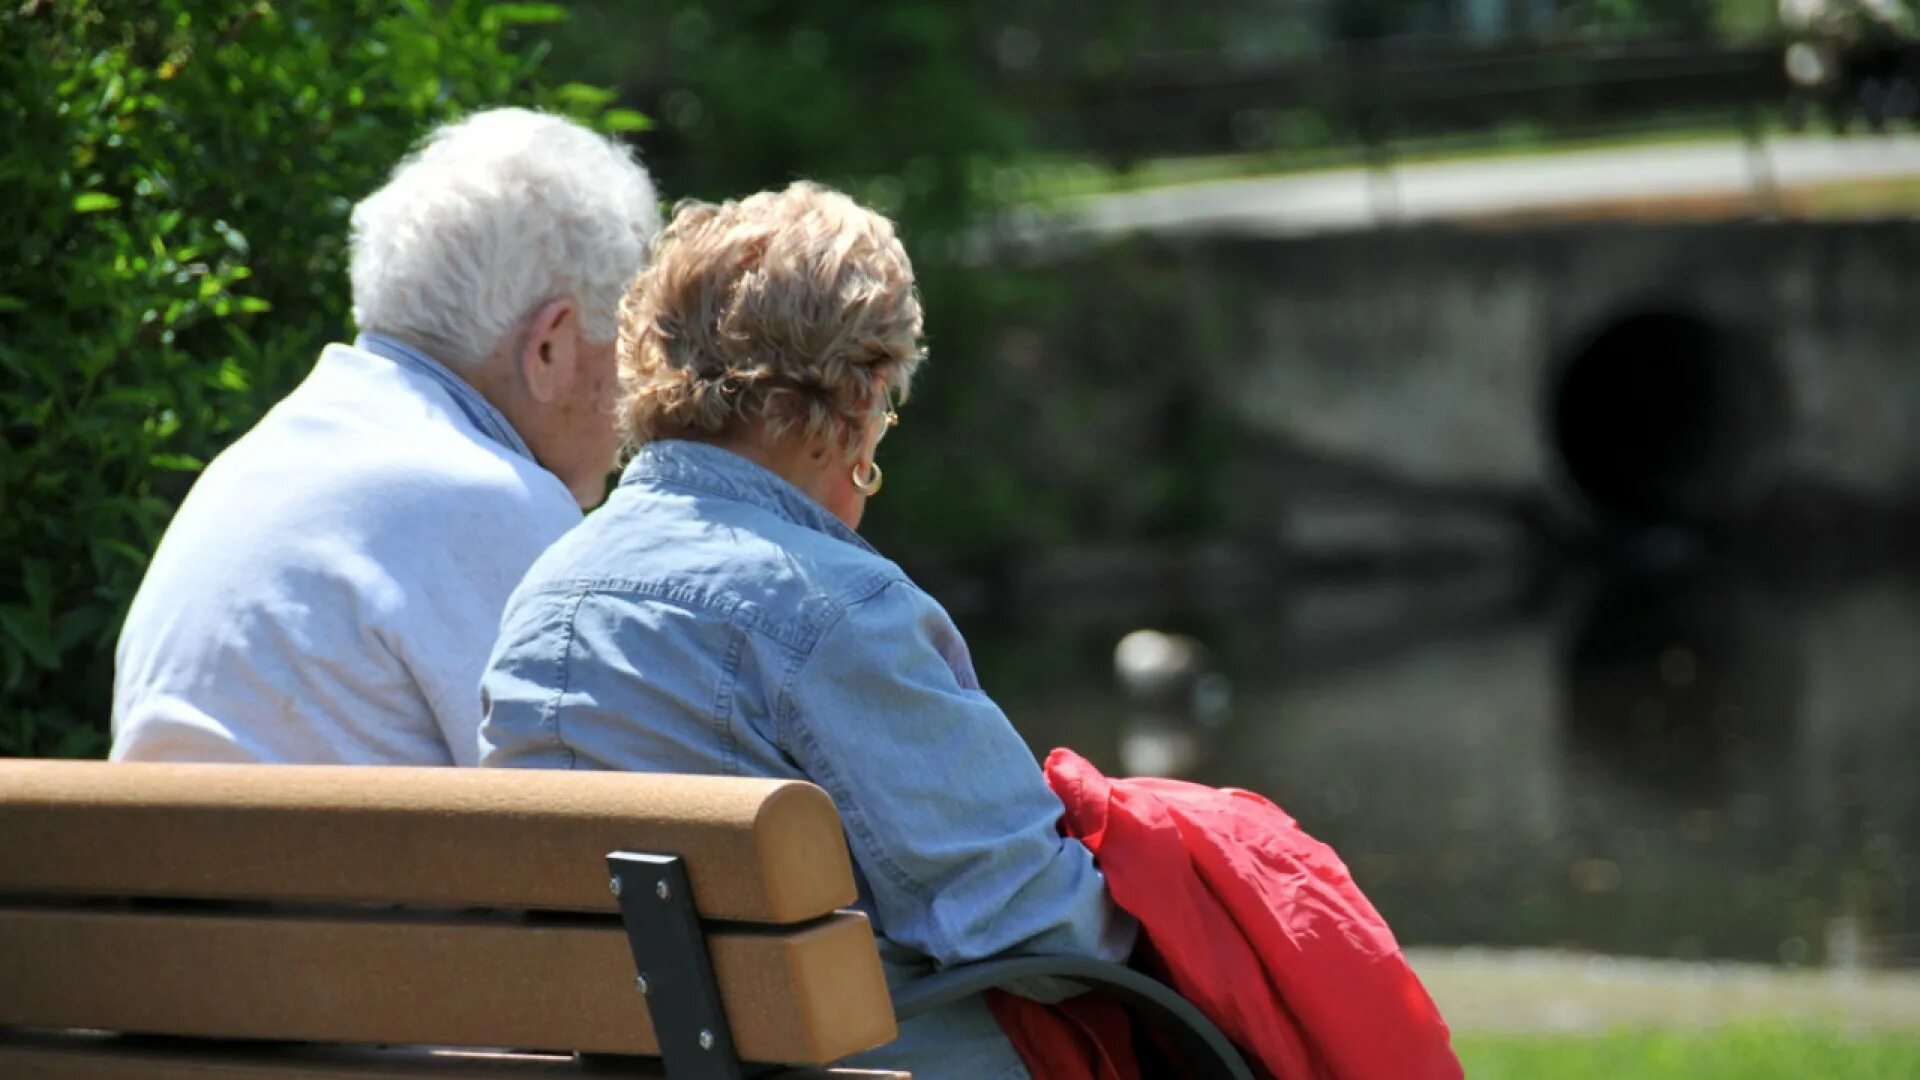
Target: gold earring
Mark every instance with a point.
(868, 485)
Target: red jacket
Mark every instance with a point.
(1252, 920)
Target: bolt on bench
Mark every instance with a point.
(236, 922)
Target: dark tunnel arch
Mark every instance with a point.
(1665, 416)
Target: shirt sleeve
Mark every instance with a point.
(524, 682)
(946, 810)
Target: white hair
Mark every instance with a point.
(489, 218)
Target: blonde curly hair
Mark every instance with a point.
(795, 308)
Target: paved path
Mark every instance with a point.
(1526, 991)
(1349, 199)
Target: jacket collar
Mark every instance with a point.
(713, 469)
(479, 412)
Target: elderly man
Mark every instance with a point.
(330, 589)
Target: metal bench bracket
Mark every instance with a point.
(674, 972)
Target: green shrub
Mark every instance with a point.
(175, 179)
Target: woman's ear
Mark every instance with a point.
(548, 360)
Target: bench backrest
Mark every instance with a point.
(421, 906)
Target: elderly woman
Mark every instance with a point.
(720, 614)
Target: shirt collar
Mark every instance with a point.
(479, 412)
(714, 469)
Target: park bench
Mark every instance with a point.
(233, 922)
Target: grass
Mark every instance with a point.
(1545, 1015)
(1865, 198)
(1759, 1053)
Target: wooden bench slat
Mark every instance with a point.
(47, 1056)
(74, 1056)
(812, 995)
(756, 850)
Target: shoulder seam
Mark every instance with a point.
(564, 683)
(786, 711)
(731, 607)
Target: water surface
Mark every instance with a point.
(1700, 766)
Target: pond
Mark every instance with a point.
(1705, 765)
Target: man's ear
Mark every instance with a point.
(547, 361)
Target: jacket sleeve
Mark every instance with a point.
(946, 811)
(524, 682)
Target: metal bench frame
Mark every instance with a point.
(676, 977)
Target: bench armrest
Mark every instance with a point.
(1204, 1050)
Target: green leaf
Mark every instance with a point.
(499, 15)
(81, 742)
(175, 462)
(231, 376)
(92, 202)
(125, 550)
(617, 120)
(33, 636)
(77, 628)
(13, 668)
(37, 579)
(582, 96)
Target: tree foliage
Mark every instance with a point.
(175, 180)
(927, 110)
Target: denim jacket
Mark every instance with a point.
(712, 618)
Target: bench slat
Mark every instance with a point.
(65, 1056)
(756, 850)
(45, 1056)
(809, 995)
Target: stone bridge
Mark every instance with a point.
(1647, 371)
(1618, 336)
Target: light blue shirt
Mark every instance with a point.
(712, 618)
(330, 588)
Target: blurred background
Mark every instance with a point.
(1486, 427)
